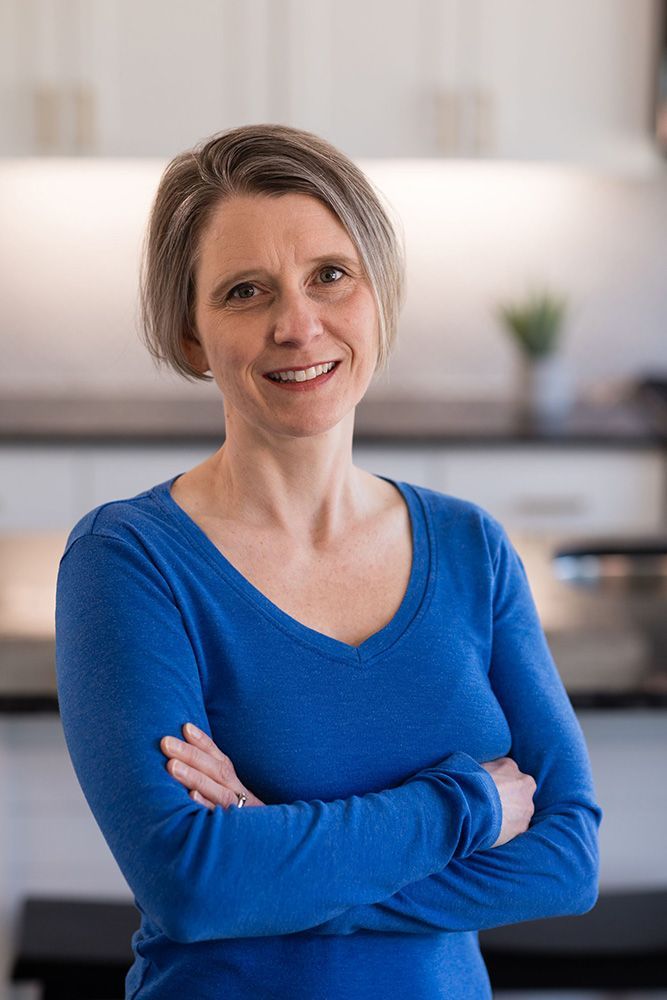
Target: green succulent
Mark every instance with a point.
(534, 322)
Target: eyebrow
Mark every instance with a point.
(230, 280)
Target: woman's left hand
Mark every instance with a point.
(206, 770)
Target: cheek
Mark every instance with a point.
(360, 314)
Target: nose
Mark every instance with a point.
(296, 318)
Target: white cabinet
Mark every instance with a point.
(553, 79)
(548, 80)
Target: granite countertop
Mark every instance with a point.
(392, 420)
(600, 644)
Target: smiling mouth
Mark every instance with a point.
(302, 368)
(308, 374)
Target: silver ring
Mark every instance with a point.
(242, 798)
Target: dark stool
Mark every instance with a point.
(80, 949)
(620, 944)
(77, 949)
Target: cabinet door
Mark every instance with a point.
(561, 489)
(560, 81)
(165, 73)
(120, 78)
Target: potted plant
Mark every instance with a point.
(535, 324)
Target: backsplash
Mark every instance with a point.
(475, 232)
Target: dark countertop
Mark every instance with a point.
(634, 422)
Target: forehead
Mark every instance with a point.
(252, 224)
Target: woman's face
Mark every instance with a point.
(279, 285)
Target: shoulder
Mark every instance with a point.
(127, 520)
(460, 518)
(471, 540)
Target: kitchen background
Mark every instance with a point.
(522, 146)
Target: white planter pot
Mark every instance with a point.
(545, 389)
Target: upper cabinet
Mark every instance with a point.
(518, 79)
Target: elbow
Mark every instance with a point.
(173, 927)
(586, 867)
(590, 882)
(589, 898)
(176, 907)
(577, 861)
(194, 918)
(180, 930)
(181, 924)
(167, 912)
(586, 883)
(579, 890)
(188, 922)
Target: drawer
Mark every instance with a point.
(559, 489)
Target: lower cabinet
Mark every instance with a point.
(529, 489)
(541, 490)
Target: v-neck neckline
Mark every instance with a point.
(415, 598)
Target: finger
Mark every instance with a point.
(198, 797)
(219, 768)
(215, 766)
(194, 779)
(202, 741)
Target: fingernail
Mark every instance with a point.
(193, 731)
(179, 769)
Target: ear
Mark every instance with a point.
(195, 353)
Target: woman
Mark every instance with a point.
(358, 654)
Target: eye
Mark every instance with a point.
(331, 267)
(243, 286)
(247, 285)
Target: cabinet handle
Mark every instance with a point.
(540, 506)
(64, 119)
(83, 101)
(46, 100)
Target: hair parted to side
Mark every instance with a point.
(268, 159)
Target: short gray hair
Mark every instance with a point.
(265, 159)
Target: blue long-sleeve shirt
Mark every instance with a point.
(370, 869)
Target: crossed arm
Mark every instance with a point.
(551, 869)
(438, 871)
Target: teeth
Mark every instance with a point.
(302, 375)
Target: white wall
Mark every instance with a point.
(475, 231)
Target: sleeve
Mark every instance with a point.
(127, 675)
(550, 870)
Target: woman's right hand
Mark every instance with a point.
(516, 791)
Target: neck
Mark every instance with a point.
(305, 489)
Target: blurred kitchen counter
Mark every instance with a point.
(602, 652)
(395, 420)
